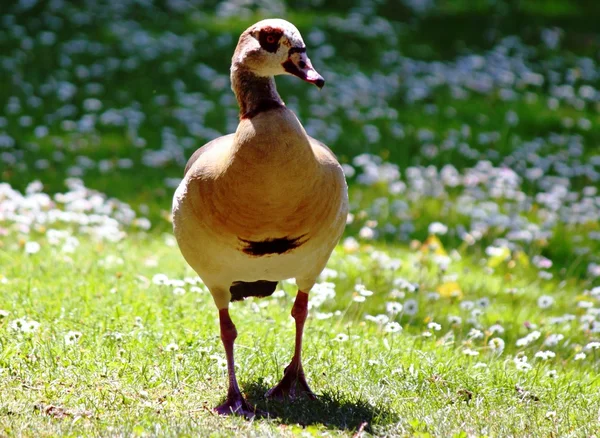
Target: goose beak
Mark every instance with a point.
(315, 78)
(298, 64)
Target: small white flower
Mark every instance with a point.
(151, 262)
(483, 302)
(172, 347)
(531, 337)
(580, 356)
(442, 261)
(403, 284)
(32, 247)
(366, 233)
(467, 305)
(359, 299)
(392, 327)
(341, 337)
(453, 319)
(545, 301)
(361, 289)
(550, 414)
(72, 337)
(434, 326)
(438, 228)
(160, 279)
(328, 273)
(497, 251)
(34, 187)
(542, 262)
(433, 296)
(554, 339)
(31, 326)
(220, 360)
(593, 346)
(545, 355)
(378, 319)
(411, 307)
(475, 334)
(480, 365)
(496, 345)
(4, 314)
(393, 308)
(426, 334)
(350, 244)
(552, 374)
(476, 313)
(470, 352)
(496, 328)
(521, 363)
(511, 118)
(115, 336)
(179, 291)
(24, 325)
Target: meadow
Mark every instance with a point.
(463, 299)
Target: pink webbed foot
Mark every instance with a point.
(292, 386)
(237, 405)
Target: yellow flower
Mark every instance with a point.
(433, 245)
(450, 290)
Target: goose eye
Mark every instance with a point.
(269, 39)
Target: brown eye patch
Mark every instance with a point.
(269, 37)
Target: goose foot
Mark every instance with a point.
(292, 386)
(238, 406)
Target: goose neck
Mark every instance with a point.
(254, 93)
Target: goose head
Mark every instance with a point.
(275, 47)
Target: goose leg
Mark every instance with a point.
(293, 383)
(235, 402)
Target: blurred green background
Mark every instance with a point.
(120, 94)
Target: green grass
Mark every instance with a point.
(398, 383)
(124, 376)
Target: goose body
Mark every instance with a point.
(262, 204)
(265, 203)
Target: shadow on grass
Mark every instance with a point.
(334, 410)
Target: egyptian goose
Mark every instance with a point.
(265, 203)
